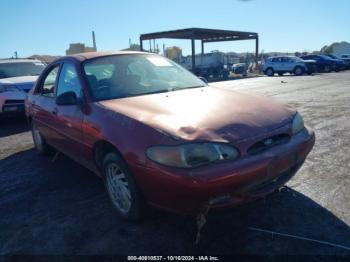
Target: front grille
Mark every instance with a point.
(14, 101)
(273, 184)
(268, 143)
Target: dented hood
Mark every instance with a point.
(208, 113)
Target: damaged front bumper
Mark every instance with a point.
(225, 184)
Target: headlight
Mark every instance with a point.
(298, 124)
(9, 88)
(191, 155)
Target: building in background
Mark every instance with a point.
(132, 47)
(340, 49)
(76, 48)
(174, 53)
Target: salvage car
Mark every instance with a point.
(324, 64)
(17, 76)
(340, 64)
(160, 136)
(288, 64)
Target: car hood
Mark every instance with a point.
(12, 95)
(308, 61)
(19, 80)
(209, 113)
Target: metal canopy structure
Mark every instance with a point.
(205, 36)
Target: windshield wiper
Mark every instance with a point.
(180, 88)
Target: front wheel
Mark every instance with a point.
(121, 188)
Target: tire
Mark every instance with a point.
(121, 188)
(270, 71)
(298, 71)
(327, 69)
(280, 74)
(39, 141)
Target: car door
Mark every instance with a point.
(43, 104)
(277, 64)
(287, 64)
(69, 117)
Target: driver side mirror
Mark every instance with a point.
(67, 99)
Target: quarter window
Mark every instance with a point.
(48, 88)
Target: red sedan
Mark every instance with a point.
(159, 135)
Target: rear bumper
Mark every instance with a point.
(225, 184)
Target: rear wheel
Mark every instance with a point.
(327, 68)
(121, 188)
(298, 71)
(270, 72)
(39, 141)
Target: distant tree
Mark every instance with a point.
(327, 49)
(297, 54)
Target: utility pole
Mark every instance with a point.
(16, 55)
(94, 40)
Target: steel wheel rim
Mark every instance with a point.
(37, 138)
(118, 188)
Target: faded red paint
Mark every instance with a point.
(205, 114)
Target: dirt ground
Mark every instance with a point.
(61, 208)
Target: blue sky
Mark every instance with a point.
(48, 26)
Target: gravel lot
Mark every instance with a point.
(61, 208)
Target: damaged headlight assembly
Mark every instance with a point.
(191, 155)
(298, 124)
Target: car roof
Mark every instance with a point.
(22, 60)
(91, 55)
(281, 56)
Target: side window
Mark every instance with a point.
(276, 60)
(68, 80)
(48, 87)
(287, 60)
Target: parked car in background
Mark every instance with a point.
(323, 63)
(340, 63)
(346, 58)
(288, 64)
(17, 76)
(159, 135)
(239, 68)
